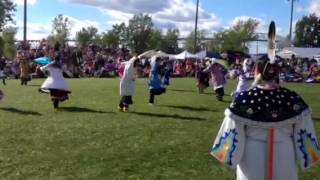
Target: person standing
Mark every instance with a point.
(24, 70)
(268, 129)
(2, 74)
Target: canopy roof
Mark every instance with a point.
(186, 55)
(300, 52)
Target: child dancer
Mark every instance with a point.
(202, 77)
(218, 80)
(155, 84)
(243, 77)
(127, 84)
(167, 74)
(55, 84)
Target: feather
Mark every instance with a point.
(272, 42)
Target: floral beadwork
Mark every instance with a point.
(309, 148)
(224, 149)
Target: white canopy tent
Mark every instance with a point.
(186, 55)
(151, 53)
(286, 54)
(299, 52)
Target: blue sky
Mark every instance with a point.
(214, 14)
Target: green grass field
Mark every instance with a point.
(89, 139)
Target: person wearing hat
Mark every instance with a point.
(268, 129)
(127, 84)
(218, 79)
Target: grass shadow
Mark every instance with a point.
(33, 85)
(19, 111)
(315, 118)
(226, 102)
(175, 116)
(188, 108)
(82, 110)
(182, 90)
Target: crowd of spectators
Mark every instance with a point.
(95, 61)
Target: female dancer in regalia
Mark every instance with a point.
(127, 84)
(55, 84)
(268, 129)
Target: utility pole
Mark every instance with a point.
(290, 33)
(196, 28)
(25, 23)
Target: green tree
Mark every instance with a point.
(156, 40)
(60, 29)
(7, 8)
(9, 49)
(139, 32)
(121, 31)
(170, 41)
(307, 32)
(189, 44)
(86, 35)
(236, 37)
(110, 39)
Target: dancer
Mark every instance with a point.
(267, 129)
(243, 77)
(218, 79)
(24, 70)
(202, 77)
(2, 74)
(127, 84)
(55, 84)
(167, 74)
(155, 84)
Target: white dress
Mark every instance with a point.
(55, 79)
(242, 141)
(244, 83)
(127, 83)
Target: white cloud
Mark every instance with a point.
(37, 31)
(129, 6)
(314, 7)
(21, 2)
(165, 13)
(262, 27)
(77, 24)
